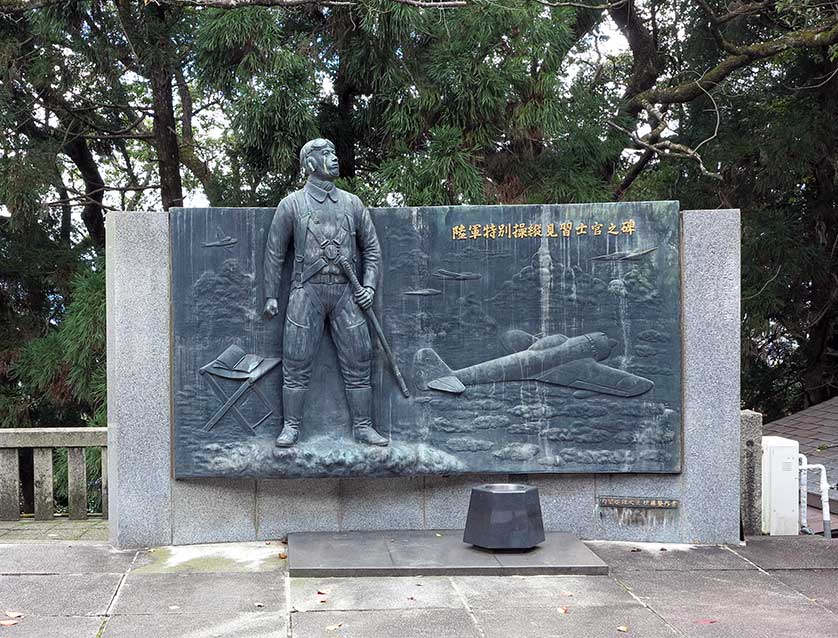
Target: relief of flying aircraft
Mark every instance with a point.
(572, 362)
(625, 256)
(221, 242)
(441, 273)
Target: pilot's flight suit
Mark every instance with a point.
(324, 223)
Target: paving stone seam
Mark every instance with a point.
(746, 559)
(7, 542)
(467, 607)
(43, 615)
(61, 573)
(101, 630)
(812, 601)
(647, 606)
(248, 612)
(623, 570)
(288, 606)
(331, 610)
(109, 610)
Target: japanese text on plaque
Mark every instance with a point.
(524, 231)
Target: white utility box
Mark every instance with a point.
(780, 486)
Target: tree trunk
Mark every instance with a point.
(647, 66)
(65, 232)
(213, 187)
(165, 137)
(345, 142)
(92, 213)
(160, 73)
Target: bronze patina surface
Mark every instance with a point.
(532, 339)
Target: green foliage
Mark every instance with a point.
(82, 341)
(506, 101)
(63, 372)
(444, 173)
(263, 74)
(35, 275)
(778, 147)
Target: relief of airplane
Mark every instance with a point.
(221, 242)
(625, 256)
(572, 362)
(442, 273)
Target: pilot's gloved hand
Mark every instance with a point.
(271, 308)
(364, 297)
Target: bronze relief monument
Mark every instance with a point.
(533, 338)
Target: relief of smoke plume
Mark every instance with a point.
(406, 267)
(574, 295)
(240, 305)
(566, 277)
(632, 288)
(420, 428)
(406, 420)
(545, 273)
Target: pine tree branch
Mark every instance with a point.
(16, 6)
(582, 5)
(654, 143)
(235, 4)
(821, 37)
(667, 149)
(736, 11)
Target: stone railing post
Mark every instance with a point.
(42, 441)
(750, 477)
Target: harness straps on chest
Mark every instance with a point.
(321, 238)
(330, 248)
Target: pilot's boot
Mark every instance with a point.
(292, 416)
(360, 407)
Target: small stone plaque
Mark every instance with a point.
(638, 502)
(532, 339)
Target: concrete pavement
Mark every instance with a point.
(771, 588)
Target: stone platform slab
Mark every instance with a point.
(432, 553)
(80, 589)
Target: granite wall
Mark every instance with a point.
(148, 507)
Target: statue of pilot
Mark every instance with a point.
(322, 223)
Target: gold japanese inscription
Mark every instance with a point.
(563, 229)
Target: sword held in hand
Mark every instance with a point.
(357, 287)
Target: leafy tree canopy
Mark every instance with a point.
(133, 104)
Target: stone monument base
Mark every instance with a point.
(149, 507)
(432, 553)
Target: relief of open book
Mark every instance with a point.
(234, 358)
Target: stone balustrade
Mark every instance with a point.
(43, 441)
